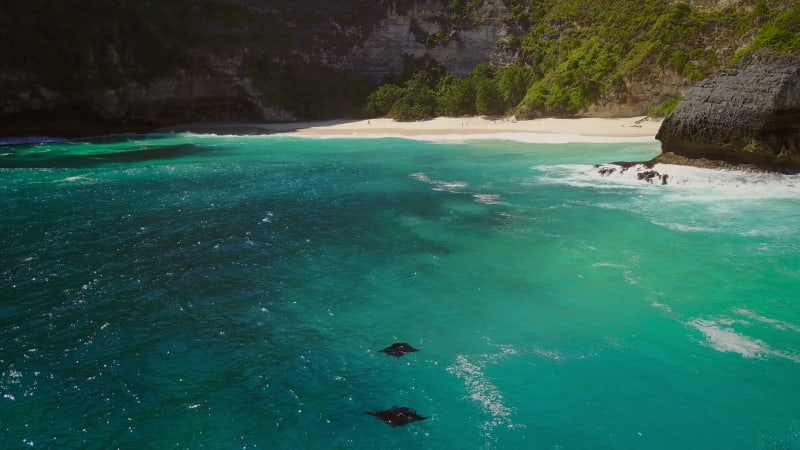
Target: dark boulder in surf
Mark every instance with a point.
(398, 349)
(644, 171)
(397, 416)
(649, 175)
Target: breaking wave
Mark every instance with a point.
(693, 183)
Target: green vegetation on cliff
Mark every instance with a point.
(781, 34)
(432, 92)
(582, 51)
(154, 62)
(572, 54)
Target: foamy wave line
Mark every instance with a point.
(548, 354)
(456, 187)
(488, 199)
(450, 187)
(528, 138)
(779, 324)
(628, 274)
(779, 230)
(447, 186)
(444, 137)
(608, 264)
(681, 227)
(728, 340)
(658, 305)
(75, 178)
(482, 390)
(704, 183)
(698, 184)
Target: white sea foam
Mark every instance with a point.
(420, 176)
(723, 197)
(582, 175)
(704, 184)
(658, 305)
(482, 390)
(728, 340)
(524, 137)
(438, 185)
(681, 227)
(630, 277)
(608, 264)
(769, 230)
(778, 324)
(488, 199)
(725, 339)
(692, 183)
(547, 354)
(628, 274)
(449, 186)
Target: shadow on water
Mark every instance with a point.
(122, 138)
(22, 141)
(43, 160)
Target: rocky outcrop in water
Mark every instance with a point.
(749, 116)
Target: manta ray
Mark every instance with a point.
(399, 349)
(397, 416)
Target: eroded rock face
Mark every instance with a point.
(137, 66)
(748, 116)
(401, 33)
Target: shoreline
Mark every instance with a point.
(548, 130)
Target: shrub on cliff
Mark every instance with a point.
(582, 51)
(781, 34)
(663, 108)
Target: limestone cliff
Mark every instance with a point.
(134, 66)
(744, 116)
(427, 29)
(107, 66)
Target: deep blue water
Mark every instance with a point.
(182, 291)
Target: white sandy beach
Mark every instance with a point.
(466, 128)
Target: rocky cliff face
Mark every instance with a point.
(117, 66)
(748, 116)
(427, 29)
(110, 66)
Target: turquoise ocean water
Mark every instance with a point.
(184, 291)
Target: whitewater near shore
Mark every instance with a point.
(455, 128)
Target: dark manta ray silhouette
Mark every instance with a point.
(399, 349)
(397, 416)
